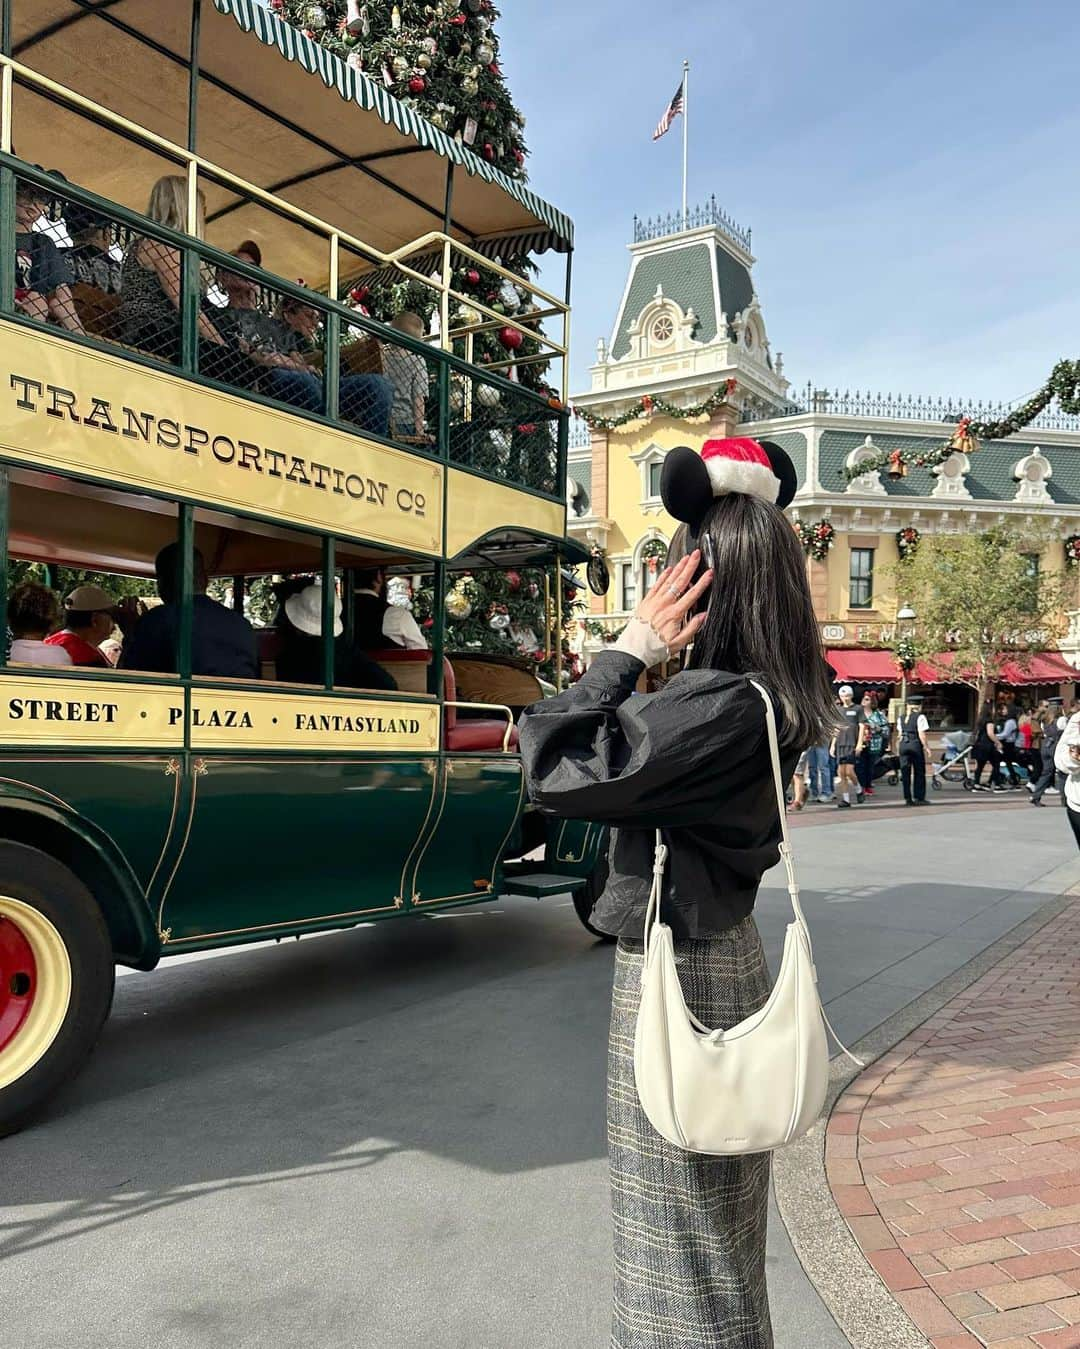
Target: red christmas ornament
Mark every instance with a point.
(458, 21)
(527, 428)
(519, 157)
(428, 623)
(646, 403)
(472, 276)
(489, 150)
(417, 84)
(513, 580)
(493, 69)
(511, 338)
(359, 294)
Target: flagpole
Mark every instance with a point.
(685, 133)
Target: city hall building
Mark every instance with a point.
(690, 333)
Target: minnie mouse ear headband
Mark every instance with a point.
(690, 482)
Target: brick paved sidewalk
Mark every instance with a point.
(955, 1158)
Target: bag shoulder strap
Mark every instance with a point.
(785, 846)
(781, 803)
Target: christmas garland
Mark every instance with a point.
(1063, 385)
(816, 539)
(651, 405)
(907, 541)
(1072, 550)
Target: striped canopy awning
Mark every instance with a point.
(274, 108)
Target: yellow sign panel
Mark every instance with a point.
(112, 713)
(66, 407)
(476, 506)
(241, 720)
(96, 713)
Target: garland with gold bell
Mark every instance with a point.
(1063, 385)
(653, 405)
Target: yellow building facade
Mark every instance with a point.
(689, 331)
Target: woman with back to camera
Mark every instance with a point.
(692, 760)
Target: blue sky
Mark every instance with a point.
(909, 171)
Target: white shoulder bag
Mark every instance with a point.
(757, 1085)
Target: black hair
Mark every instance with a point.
(167, 570)
(761, 617)
(367, 578)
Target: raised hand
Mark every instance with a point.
(672, 596)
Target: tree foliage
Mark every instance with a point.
(984, 600)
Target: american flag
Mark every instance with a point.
(673, 110)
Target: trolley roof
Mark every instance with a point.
(276, 109)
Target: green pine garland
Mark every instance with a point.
(1063, 385)
(652, 405)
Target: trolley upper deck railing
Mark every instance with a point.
(475, 415)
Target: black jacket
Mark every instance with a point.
(692, 759)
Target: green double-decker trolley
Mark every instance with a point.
(145, 815)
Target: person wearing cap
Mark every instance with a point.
(847, 746)
(914, 751)
(222, 640)
(89, 618)
(300, 657)
(42, 275)
(693, 759)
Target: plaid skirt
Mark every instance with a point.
(689, 1229)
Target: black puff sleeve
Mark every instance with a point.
(649, 760)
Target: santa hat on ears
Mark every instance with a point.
(690, 482)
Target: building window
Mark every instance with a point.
(627, 586)
(862, 578)
(663, 330)
(654, 479)
(1031, 570)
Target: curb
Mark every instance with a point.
(847, 1283)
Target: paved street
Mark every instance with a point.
(393, 1137)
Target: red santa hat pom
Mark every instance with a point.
(740, 465)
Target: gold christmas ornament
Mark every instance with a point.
(395, 19)
(424, 61)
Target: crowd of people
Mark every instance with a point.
(1015, 743)
(246, 337)
(94, 629)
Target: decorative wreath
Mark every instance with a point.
(816, 539)
(907, 541)
(1072, 550)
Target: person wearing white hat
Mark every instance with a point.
(847, 745)
(300, 658)
(89, 619)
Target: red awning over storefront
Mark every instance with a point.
(1048, 667)
(863, 667)
(879, 667)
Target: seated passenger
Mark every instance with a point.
(90, 256)
(408, 375)
(300, 656)
(42, 276)
(150, 293)
(222, 641)
(242, 323)
(33, 613)
(376, 622)
(89, 618)
(363, 399)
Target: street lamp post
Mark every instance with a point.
(905, 616)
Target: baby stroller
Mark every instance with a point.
(955, 765)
